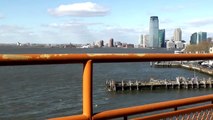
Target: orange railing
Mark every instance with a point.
(89, 59)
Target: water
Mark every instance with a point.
(45, 91)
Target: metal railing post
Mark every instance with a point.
(87, 89)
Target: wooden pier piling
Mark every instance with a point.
(179, 83)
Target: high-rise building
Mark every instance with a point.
(178, 35)
(161, 35)
(101, 43)
(193, 39)
(111, 42)
(153, 32)
(196, 38)
(201, 36)
(145, 41)
(141, 39)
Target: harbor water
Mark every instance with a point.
(36, 92)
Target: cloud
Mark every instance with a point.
(69, 32)
(1, 16)
(86, 9)
(12, 29)
(84, 32)
(201, 22)
(70, 24)
(13, 34)
(165, 21)
(73, 31)
(172, 8)
(122, 34)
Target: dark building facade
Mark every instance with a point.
(111, 42)
(161, 35)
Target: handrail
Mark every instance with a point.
(151, 107)
(35, 59)
(88, 60)
(178, 112)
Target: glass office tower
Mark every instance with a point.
(153, 32)
(161, 35)
(201, 36)
(193, 39)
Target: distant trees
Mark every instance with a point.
(201, 47)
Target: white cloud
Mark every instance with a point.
(86, 9)
(200, 22)
(122, 34)
(13, 34)
(70, 24)
(172, 8)
(165, 21)
(69, 32)
(83, 32)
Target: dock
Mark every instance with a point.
(179, 83)
(181, 64)
(166, 64)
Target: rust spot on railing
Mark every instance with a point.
(15, 57)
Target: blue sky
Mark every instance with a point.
(87, 21)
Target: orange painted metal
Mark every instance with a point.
(150, 107)
(188, 111)
(33, 59)
(88, 60)
(87, 89)
(74, 117)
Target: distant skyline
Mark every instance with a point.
(87, 21)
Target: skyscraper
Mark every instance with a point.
(201, 36)
(153, 32)
(177, 34)
(145, 40)
(162, 38)
(111, 42)
(141, 39)
(193, 39)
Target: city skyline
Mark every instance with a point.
(81, 21)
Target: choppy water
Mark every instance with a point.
(45, 91)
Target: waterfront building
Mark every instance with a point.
(118, 44)
(193, 39)
(179, 44)
(170, 44)
(145, 41)
(141, 39)
(111, 42)
(153, 32)
(101, 43)
(161, 36)
(201, 36)
(177, 34)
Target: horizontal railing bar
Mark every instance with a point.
(176, 113)
(34, 59)
(73, 117)
(151, 107)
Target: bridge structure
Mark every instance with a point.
(175, 109)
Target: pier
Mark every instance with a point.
(166, 64)
(179, 83)
(181, 64)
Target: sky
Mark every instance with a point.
(87, 21)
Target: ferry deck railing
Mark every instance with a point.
(196, 112)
